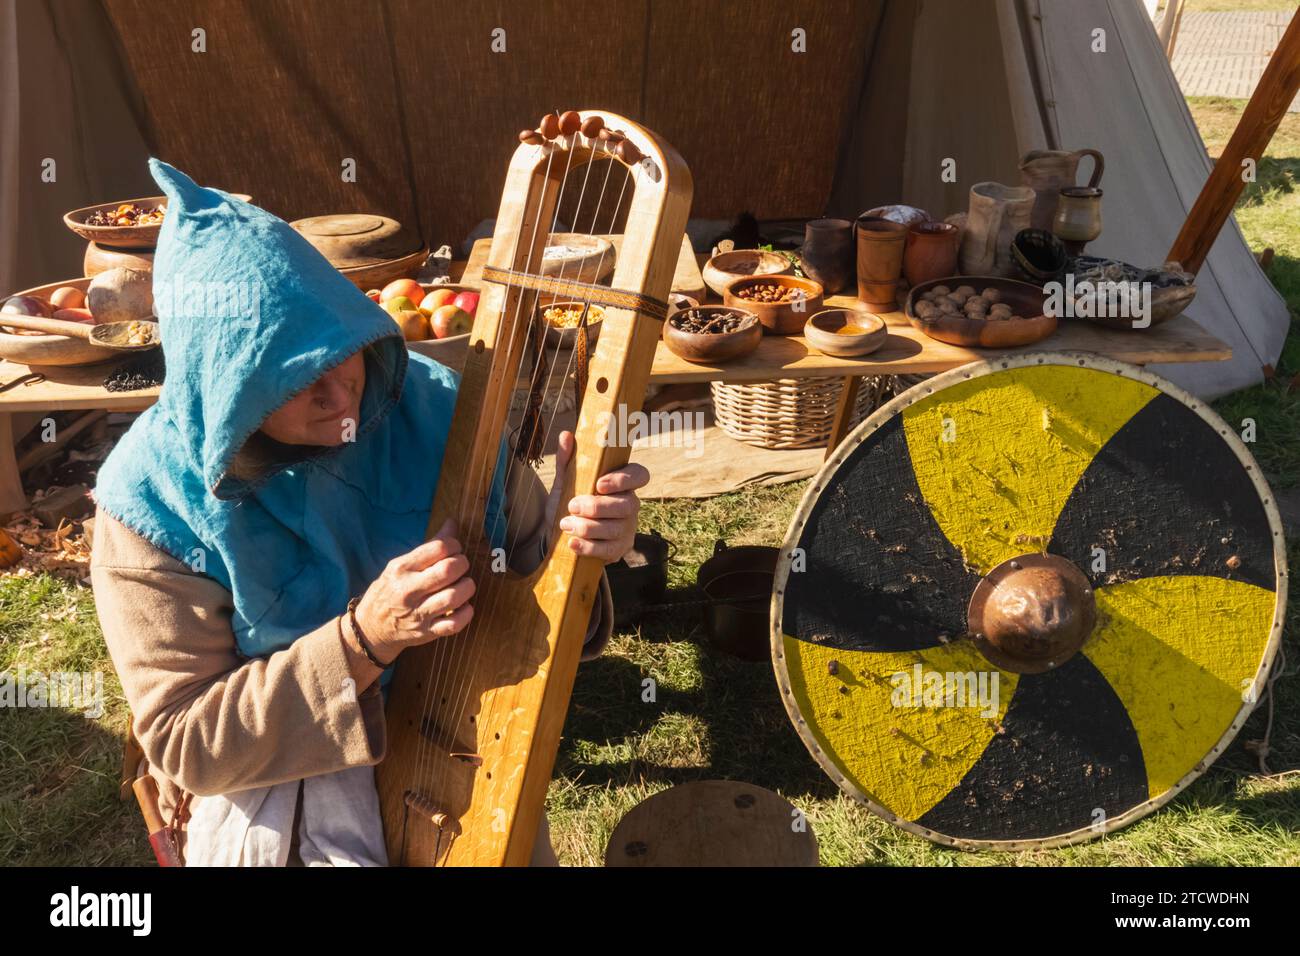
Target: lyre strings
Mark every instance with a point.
(454, 662)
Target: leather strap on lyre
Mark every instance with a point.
(580, 291)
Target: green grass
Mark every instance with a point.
(1269, 215)
(713, 717)
(59, 769)
(719, 718)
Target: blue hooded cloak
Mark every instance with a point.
(250, 315)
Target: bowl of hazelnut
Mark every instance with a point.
(980, 311)
(783, 304)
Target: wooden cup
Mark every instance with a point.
(880, 261)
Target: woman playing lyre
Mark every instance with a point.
(260, 553)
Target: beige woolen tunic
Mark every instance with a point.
(211, 721)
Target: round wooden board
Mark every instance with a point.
(713, 823)
(1141, 487)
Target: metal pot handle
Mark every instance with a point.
(672, 545)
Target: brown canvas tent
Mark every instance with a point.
(883, 91)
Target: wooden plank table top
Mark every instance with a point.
(906, 351)
(65, 389)
(909, 351)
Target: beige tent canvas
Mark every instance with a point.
(785, 110)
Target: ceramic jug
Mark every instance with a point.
(997, 213)
(828, 253)
(1048, 171)
(931, 252)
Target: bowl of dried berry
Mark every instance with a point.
(125, 224)
(782, 303)
(712, 334)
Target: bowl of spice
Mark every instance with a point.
(562, 319)
(845, 332)
(782, 303)
(712, 334)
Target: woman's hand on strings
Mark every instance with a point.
(602, 525)
(420, 596)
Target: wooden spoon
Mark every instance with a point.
(110, 335)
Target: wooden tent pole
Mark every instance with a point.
(1277, 88)
(1168, 30)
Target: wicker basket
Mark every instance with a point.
(790, 412)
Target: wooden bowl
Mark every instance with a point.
(1024, 298)
(1172, 290)
(778, 318)
(371, 251)
(706, 348)
(823, 332)
(726, 267)
(120, 237)
(577, 256)
(454, 346)
(558, 338)
(379, 274)
(52, 349)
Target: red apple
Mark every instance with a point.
(436, 300)
(448, 320)
(373, 295)
(75, 315)
(407, 287)
(467, 301)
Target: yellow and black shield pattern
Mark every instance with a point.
(1133, 481)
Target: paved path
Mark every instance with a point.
(1223, 54)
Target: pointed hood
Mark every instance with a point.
(250, 314)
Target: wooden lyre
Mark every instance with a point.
(474, 720)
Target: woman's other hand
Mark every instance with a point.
(420, 596)
(602, 525)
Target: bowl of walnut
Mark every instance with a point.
(980, 311)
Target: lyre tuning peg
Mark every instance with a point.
(592, 126)
(627, 151)
(549, 126)
(531, 137)
(570, 122)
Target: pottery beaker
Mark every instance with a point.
(880, 261)
(997, 213)
(1048, 171)
(1078, 217)
(827, 253)
(930, 252)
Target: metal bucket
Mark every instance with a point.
(640, 579)
(738, 583)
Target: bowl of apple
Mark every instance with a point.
(435, 319)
